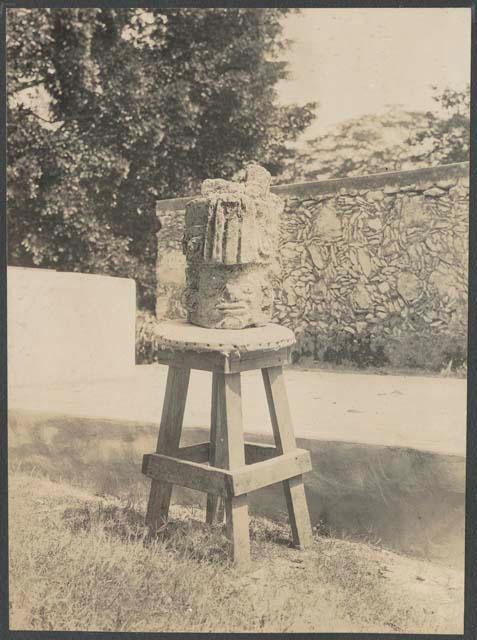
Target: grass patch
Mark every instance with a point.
(82, 562)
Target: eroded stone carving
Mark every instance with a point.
(230, 243)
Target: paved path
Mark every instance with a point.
(426, 413)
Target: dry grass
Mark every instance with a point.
(79, 562)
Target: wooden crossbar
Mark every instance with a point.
(231, 362)
(195, 452)
(222, 482)
(254, 452)
(261, 474)
(185, 473)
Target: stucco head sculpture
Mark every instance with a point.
(230, 243)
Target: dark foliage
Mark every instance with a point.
(111, 110)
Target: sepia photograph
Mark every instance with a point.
(237, 318)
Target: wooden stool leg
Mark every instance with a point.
(236, 515)
(215, 506)
(168, 442)
(230, 454)
(285, 441)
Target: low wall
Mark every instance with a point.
(373, 267)
(69, 326)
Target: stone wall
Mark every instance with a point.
(374, 268)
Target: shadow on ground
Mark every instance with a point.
(406, 500)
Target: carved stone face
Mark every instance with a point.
(232, 297)
(231, 243)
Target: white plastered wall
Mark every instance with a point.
(69, 326)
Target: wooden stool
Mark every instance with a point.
(226, 467)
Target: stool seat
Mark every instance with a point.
(179, 334)
(182, 344)
(226, 467)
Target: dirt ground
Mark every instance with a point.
(81, 562)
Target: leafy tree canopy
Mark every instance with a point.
(111, 110)
(392, 141)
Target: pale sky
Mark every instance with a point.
(357, 61)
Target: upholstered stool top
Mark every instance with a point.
(181, 335)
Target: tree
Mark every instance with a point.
(111, 110)
(391, 141)
(445, 136)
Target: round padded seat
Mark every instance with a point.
(180, 334)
